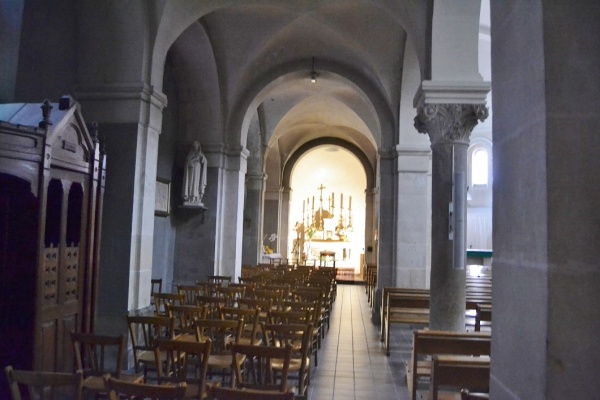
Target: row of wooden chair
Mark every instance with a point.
(225, 335)
(55, 385)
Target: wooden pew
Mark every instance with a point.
(405, 308)
(371, 283)
(484, 313)
(460, 372)
(384, 301)
(429, 343)
(420, 316)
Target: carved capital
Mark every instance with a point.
(449, 122)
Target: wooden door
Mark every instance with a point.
(61, 276)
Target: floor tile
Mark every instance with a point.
(352, 362)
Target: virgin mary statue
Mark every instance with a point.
(194, 177)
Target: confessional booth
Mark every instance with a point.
(52, 173)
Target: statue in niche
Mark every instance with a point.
(194, 177)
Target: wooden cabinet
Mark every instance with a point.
(52, 174)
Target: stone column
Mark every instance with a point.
(253, 217)
(370, 249)
(386, 232)
(130, 117)
(449, 127)
(229, 212)
(411, 226)
(284, 223)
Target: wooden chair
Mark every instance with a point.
(190, 292)
(299, 336)
(223, 334)
(283, 288)
(231, 295)
(185, 362)
(314, 294)
(249, 289)
(251, 323)
(118, 389)
(276, 296)
(264, 305)
(210, 288)
(143, 331)
(290, 317)
(161, 300)
(221, 393)
(221, 279)
(98, 355)
(155, 287)
(212, 304)
(44, 385)
(311, 300)
(184, 317)
(254, 280)
(260, 375)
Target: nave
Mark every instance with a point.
(353, 364)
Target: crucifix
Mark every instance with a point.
(320, 220)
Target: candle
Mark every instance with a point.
(313, 203)
(303, 207)
(350, 203)
(332, 200)
(342, 201)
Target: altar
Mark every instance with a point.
(334, 253)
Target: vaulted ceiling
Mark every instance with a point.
(264, 54)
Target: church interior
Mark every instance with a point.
(386, 145)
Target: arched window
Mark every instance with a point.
(479, 167)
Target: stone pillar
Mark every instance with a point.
(449, 127)
(411, 226)
(253, 218)
(128, 216)
(386, 233)
(229, 212)
(284, 223)
(370, 249)
(546, 280)
(271, 217)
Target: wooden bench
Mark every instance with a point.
(484, 313)
(384, 301)
(428, 343)
(371, 283)
(405, 308)
(460, 372)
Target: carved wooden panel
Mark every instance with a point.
(50, 276)
(69, 323)
(70, 278)
(47, 351)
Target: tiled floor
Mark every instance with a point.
(352, 362)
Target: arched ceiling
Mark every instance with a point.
(262, 52)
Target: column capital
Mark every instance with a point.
(262, 177)
(120, 102)
(449, 122)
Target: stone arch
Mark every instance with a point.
(239, 120)
(289, 165)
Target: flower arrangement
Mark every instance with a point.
(271, 239)
(310, 232)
